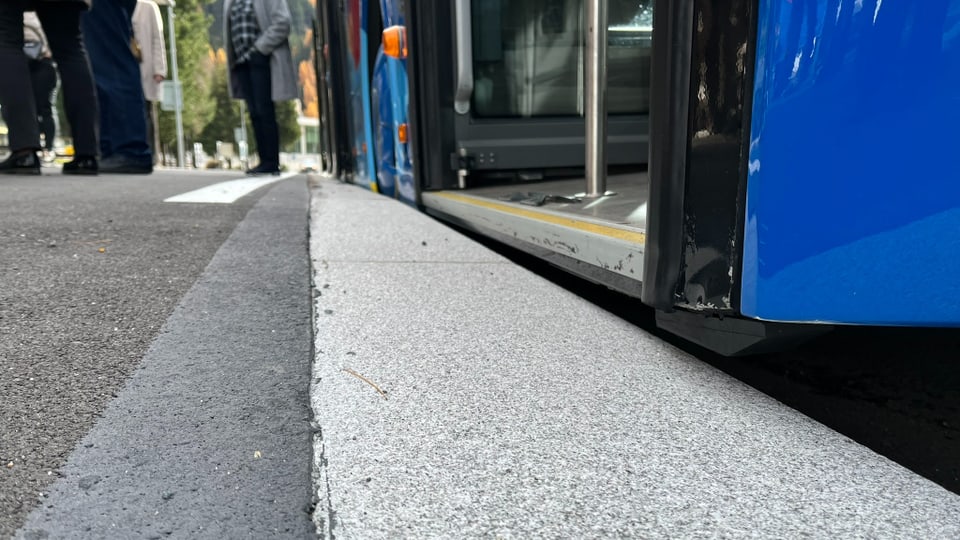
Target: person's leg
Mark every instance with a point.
(62, 25)
(261, 103)
(151, 133)
(123, 129)
(245, 79)
(16, 100)
(44, 78)
(256, 122)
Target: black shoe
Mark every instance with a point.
(21, 162)
(120, 164)
(261, 170)
(86, 165)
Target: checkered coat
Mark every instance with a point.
(273, 18)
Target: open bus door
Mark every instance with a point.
(505, 86)
(673, 237)
(335, 148)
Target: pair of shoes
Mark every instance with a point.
(21, 162)
(261, 170)
(86, 165)
(121, 164)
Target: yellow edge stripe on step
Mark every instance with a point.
(612, 232)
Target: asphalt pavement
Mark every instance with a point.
(94, 271)
(193, 355)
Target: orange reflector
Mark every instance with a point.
(395, 42)
(402, 133)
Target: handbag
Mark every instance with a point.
(135, 49)
(32, 49)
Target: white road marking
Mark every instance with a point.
(227, 192)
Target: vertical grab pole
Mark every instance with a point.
(464, 83)
(178, 95)
(596, 98)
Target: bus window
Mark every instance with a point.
(528, 57)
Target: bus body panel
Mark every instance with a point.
(389, 86)
(365, 70)
(384, 143)
(853, 191)
(351, 20)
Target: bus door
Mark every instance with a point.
(324, 68)
(339, 87)
(518, 84)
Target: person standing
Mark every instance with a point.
(61, 21)
(43, 77)
(261, 69)
(148, 31)
(108, 33)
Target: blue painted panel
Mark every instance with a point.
(853, 194)
(398, 166)
(354, 58)
(392, 12)
(406, 189)
(383, 127)
(367, 156)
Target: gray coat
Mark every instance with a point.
(273, 17)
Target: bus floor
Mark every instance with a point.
(625, 203)
(456, 394)
(600, 238)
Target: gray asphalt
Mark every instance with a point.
(93, 268)
(453, 393)
(461, 396)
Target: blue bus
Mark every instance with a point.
(772, 168)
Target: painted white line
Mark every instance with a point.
(226, 192)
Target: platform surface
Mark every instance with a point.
(458, 395)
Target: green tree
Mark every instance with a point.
(227, 110)
(195, 61)
(227, 114)
(301, 24)
(224, 111)
(287, 113)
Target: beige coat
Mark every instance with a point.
(273, 17)
(148, 29)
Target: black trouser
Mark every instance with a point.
(254, 76)
(152, 129)
(61, 23)
(43, 75)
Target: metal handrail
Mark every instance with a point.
(464, 38)
(595, 112)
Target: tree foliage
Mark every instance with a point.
(195, 65)
(308, 86)
(287, 113)
(227, 110)
(227, 113)
(209, 114)
(301, 35)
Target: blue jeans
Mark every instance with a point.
(254, 78)
(123, 124)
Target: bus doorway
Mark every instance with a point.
(516, 90)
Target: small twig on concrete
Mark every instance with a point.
(366, 380)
